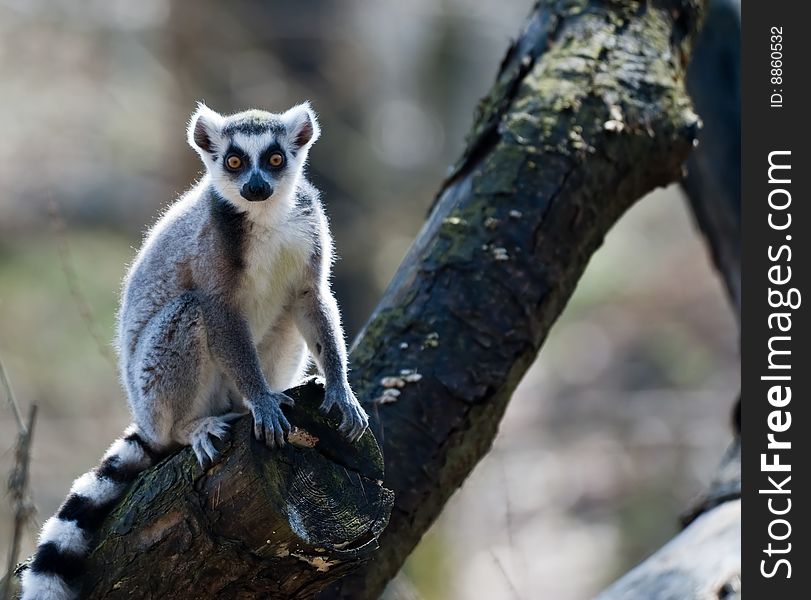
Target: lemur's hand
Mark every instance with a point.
(354, 420)
(269, 423)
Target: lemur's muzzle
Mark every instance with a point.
(256, 189)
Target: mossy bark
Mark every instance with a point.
(259, 524)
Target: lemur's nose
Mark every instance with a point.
(256, 189)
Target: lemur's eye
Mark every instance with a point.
(276, 159)
(233, 162)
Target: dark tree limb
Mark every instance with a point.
(724, 487)
(713, 182)
(588, 114)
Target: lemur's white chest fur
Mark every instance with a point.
(276, 261)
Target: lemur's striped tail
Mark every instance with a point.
(65, 538)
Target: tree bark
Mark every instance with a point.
(260, 523)
(588, 114)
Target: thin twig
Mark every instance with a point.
(508, 516)
(85, 311)
(18, 491)
(508, 513)
(6, 383)
(504, 574)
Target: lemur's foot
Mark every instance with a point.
(269, 423)
(201, 442)
(354, 419)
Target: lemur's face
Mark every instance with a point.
(254, 155)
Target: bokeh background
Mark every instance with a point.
(616, 427)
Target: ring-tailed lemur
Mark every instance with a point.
(227, 292)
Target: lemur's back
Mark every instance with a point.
(167, 250)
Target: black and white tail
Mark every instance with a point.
(65, 538)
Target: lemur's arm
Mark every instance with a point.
(231, 344)
(318, 320)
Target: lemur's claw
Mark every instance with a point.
(327, 404)
(269, 423)
(353, 418)
(285, 399)
(202, 444)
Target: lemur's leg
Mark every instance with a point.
(170, 377)
(181, 399)
(319, 321)
(283, 354)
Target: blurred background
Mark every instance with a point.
(617, 426)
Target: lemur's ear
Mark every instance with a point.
(302, 125)
(204, 129)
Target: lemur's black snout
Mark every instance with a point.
(256, 189)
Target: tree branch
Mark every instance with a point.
(713, 182)
(588, 114)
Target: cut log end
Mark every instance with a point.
(259, 523)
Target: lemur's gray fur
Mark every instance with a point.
(229, 289)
